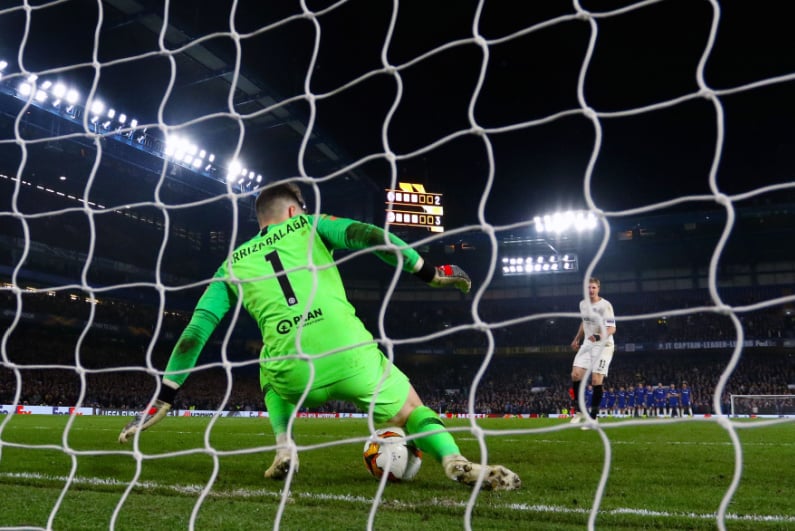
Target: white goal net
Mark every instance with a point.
(135, 135)
(762, 405)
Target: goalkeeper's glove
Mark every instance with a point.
(146, 419)
(444, 276)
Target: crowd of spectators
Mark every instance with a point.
(512, 320)
(53, 359)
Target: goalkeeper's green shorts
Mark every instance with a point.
(361, 387)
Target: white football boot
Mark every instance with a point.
(281, 466)
(578, 418)
(496, 477)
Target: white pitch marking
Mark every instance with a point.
(253, 493)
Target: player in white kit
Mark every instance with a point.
(594, 345)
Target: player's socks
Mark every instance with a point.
(596, 399)
(575, 388)
(424, 420)
(279, 411)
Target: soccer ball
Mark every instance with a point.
(392, 455)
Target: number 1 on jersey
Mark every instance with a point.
(284, 282)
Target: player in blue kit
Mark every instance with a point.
(651, 410)
(610, 403)
(674, 408)
(621, 402)
(640, 400)
(630, 411)
(660, 396)
(685, 395)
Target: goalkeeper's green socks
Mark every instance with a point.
(279, 411)
(437, 445)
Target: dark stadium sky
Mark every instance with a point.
(641, 57)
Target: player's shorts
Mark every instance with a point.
(594, 356)
(360, 386)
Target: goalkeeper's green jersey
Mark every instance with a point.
(288, 282)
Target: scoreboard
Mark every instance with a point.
(411, 206)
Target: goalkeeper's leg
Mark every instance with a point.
(396, 403)
(145, 419)
(439, 444)
(279, 413)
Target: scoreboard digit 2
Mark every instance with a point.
(411, 206)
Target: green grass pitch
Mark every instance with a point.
(665, 476)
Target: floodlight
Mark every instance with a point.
(3, 65)
(560, 222)
(133, 123)
(234, 170)
(259, 178)
(72, 96)
(59, 90)
(122, 118)
(45, 85)
(97, 107)
(111, 113)
(24, 88)
(538, 264)
(211, 158)
(172, 141)
(40, 96)
(585, 221)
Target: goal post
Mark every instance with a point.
(762, 405)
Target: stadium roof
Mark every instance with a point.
(655, 139)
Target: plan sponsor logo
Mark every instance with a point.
(285, 325)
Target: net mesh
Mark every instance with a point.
(762, 405)
(611, 93)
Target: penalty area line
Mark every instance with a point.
(433, 502)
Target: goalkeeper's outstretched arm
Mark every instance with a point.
(350, 234)
(204, 320)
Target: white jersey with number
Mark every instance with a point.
(596, 317)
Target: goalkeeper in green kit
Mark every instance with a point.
(287, 280)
